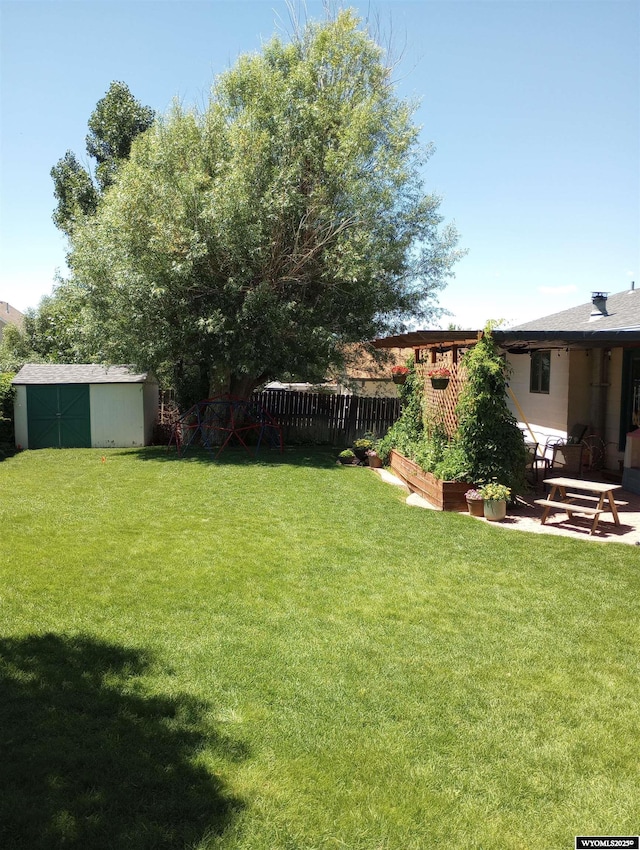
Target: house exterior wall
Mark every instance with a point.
(569, 400)
(579, 389)
(614, 402)
(369, 388)
(546, 413)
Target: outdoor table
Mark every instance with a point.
(563, 498)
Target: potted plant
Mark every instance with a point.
(399, 374)
(361, 447)
(347, 458)
(475, 502)
(374, 459)
(495, 500)
(440, 378)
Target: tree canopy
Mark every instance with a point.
(253, 239)
(115, 122)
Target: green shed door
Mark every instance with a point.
(59, 416)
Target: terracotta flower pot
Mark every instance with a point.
(476, 507)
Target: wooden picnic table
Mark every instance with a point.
(564, 498)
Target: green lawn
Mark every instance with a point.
(281, 654)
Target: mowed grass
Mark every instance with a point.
(279, 653)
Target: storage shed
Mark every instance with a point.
(84, 406)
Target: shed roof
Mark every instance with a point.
(79, 373)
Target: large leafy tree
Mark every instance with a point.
(59, 331)
(115, 122)
(256, 238)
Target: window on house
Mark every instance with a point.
(540, 371)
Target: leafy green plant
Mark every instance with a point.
(7, 394)
(488, 434)
(406, 435)
(426, 443)
(363, 444)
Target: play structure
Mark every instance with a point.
(218, 422)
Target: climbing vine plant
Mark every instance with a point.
(488, 433)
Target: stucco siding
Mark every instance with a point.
(117, 415)
(579, 389)
(545, 412)
(369, 388)
(614, 403)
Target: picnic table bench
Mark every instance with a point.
(562, 498)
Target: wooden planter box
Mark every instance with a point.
(445, 495)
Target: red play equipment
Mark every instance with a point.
(223, 420)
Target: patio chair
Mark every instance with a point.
(567, 460)
(576, 434)
(535, 460)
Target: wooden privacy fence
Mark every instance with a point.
(324, 418)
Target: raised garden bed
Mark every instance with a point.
(445, 495)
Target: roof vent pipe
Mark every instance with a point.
(599, 301)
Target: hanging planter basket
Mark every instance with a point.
(399, 378)
(439, 383)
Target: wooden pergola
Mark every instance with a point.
(432, 350)
(427, 345)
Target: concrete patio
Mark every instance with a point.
(526, 517)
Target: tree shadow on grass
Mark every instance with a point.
(88, 760)
(322, 457)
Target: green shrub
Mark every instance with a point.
(488, 433)
(7, 394)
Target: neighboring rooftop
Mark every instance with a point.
(9, 315)
(80, 373)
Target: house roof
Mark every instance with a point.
(615, 322)
(9, 315)
(621, 312)
(604, 321)
(81, 373)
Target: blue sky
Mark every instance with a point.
(533, 107)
